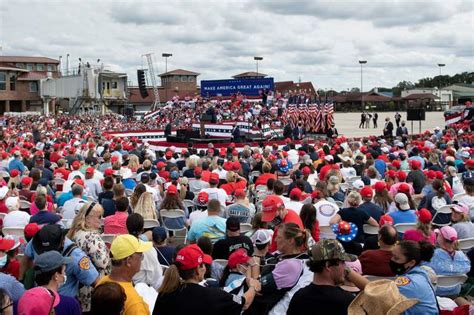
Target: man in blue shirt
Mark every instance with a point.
(81, 270)
(44, 216)
(368, 206)
(16, 163)
(213, 226)
(404, 214)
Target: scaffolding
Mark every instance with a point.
(151, 73)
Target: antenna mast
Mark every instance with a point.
(151, 72)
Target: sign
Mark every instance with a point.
(250, 87)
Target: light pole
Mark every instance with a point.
(60, 65)
(166, 56)
(67, 64)
(257, 59)
(362, 62)
(440, 65)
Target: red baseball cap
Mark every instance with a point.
(91, 145)
(430, 174)
(401, 175)
(416, 165)
(14, 173)
(169, 154)
(160, 164)
(6, 244)
(25, 181)
(197, 170)
(31, 229)
(396, 164)
(391, 174)
(79, 181)
(270, 205)
(306, 171)
(379, 186)
(114, 159)
(235, 152)
(424, 215)
(214, 178)
(239, 193)
(203, 198)
(470, 163)
(366, 192)
(109, 172)
(90, 170)
(296, 192)
(238, 257)
(191, 257)
(76, 165)
(172, 190)
(236, 166)
(404, 188)
(386, 219)
(439, 175)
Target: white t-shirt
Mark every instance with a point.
(150, 272)
(325, 211)
(74, 174)
(72, 207)
(294, 205)
(347, 172)
(217, 193)
(16, 218)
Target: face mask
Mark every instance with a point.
(3, 261)
(397, 268)
(64, 281)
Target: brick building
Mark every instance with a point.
(20, 82)
(178, 82)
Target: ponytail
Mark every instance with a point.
(438, 186)
(171, 281)
(225, 275)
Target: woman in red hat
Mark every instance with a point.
(423, 230)
(181, 292)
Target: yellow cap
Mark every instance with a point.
(126, 245)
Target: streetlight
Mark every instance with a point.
(362, 62)
(166, 56)
(440, 65)
(257, 59)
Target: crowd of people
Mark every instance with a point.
(97, 224)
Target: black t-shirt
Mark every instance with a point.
(224, 247)
(196, 300)
(358, 217)
(320, 299)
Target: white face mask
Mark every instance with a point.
(64, 281)
(3, 261)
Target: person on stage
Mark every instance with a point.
(332, 131)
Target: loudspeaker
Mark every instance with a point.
(415, 114)
(142, 83)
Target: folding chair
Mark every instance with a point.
(326, 232)
(2, 215)
(458, 197)
(373, 278)
(245, 227)
(340, 204)
(450, 281)
(446, 209)
(25, 204)
(189, 204)
(466, 244)
(128, 192)
(370, 229)
(4, 174)
(403, 227)
(14, 231)
(150, 224)
(180, 233)
(222, 262)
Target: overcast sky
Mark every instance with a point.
(318, 41)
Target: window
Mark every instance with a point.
(114, 85)
(183, 78)
(51, 68)
(20, 65)
(34, 86)
(12, 82)
(40, 67)
(190, 78)
(29, 66)
(176, 78)
(3, 81)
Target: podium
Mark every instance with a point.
(205, 118)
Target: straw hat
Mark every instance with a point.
(380, 297)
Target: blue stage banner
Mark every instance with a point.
(250, 87)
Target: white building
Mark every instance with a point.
(445, 96)
(92, 90)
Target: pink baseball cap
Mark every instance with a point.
(37, 301)
(460, 208)
(448, 233)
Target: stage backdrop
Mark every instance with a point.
(250, 87)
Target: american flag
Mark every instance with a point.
(329, 110)
(319, 117)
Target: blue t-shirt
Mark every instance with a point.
(407, 216)
(67, 306)
(415, 284)
(213, 227)
(81, 270)
(165, 255)
(372, 209)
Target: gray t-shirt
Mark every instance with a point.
(464, 229)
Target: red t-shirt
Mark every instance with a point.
(375, 263)
(3, 208)
(263, 179)
(291, 216)
(54, 157)
(12, 268)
